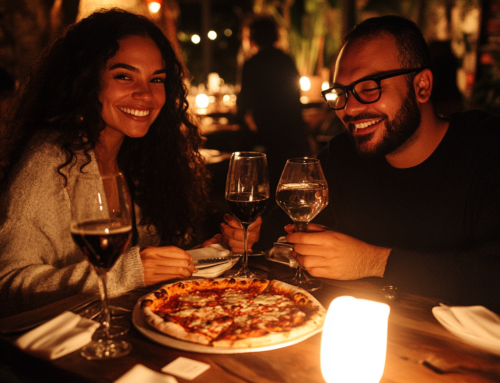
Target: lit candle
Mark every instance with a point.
(354, 341)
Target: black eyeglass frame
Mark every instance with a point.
(377, 79)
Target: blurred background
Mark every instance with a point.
(212, 39)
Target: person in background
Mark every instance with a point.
(106, 97)
(270, 99)
(414, 198)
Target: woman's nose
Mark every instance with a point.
(143, 92)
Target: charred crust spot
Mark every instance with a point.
(232, 281)
(146, 303)
(160, 293)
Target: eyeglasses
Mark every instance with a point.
(366, 90)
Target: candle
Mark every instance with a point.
(354, 341)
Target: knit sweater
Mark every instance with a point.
(39, 261)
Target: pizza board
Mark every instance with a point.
(165, 340)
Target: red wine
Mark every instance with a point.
(102, 241)
(302, 202)
(246, 207)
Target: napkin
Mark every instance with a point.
(142, 374)
(213, 251)
(281, 253)
(60, 336)
(475, 325)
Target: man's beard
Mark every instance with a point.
(398, 130)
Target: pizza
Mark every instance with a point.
(232, 312)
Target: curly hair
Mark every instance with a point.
(164, 169)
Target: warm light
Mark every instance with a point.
(154, 7)
(202, 101)
(228, 32)
(325, 85)
(354, 341)
(305, 83)
(331, 96)
(195, 39)
(212, 35)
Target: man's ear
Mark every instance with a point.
(422, 84)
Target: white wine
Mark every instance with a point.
(302, 201)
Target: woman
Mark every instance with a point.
(108, 96)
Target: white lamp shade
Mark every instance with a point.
(354, 341)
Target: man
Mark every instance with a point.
(270, 99)
(414, 198)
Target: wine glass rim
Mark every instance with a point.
(249, 154)
(303, 160)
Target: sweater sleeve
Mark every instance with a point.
(39, 262)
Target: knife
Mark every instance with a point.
(30, 319)
(216, 259)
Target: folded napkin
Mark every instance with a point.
(213, 251)
(140, 373)
(281, 253)
(475, 325)
(60, 336)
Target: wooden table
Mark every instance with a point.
(419, 349)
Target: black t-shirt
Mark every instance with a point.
(441, 218)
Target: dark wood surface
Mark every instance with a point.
(419, 349)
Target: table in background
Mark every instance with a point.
(419, 349)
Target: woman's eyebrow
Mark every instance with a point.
(134, 69)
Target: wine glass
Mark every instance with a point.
(302, 193)
(101, 225)
(247, 194)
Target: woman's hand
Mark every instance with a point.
(232, 233)
(166, 262)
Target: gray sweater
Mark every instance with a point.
(39, 262)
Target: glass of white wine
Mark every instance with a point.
(302, 193)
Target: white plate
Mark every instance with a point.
(491, 345)
(165, 340)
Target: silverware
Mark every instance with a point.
(216, 259)
(33, 318)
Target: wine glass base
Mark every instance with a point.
(117, 311)
(246, 273)
(304, 283)
(105, 349)
(114, 331)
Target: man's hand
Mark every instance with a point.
(167, 262)
(232, 233)
(333, 255)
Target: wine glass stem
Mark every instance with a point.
(245, 242)
(103, 289)
(300, 227)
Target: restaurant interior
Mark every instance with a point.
(211, 39)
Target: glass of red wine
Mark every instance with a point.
(101, 225)
(302, 193)
(247, 194)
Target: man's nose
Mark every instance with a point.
(353, 106)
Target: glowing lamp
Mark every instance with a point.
(305, 83)
(202, 100)
(154, 5)
(354, 341)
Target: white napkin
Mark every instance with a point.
(60, 336)
(474, 324)
(213, 251)
(142, 374)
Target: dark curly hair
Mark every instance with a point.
(164, 169)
